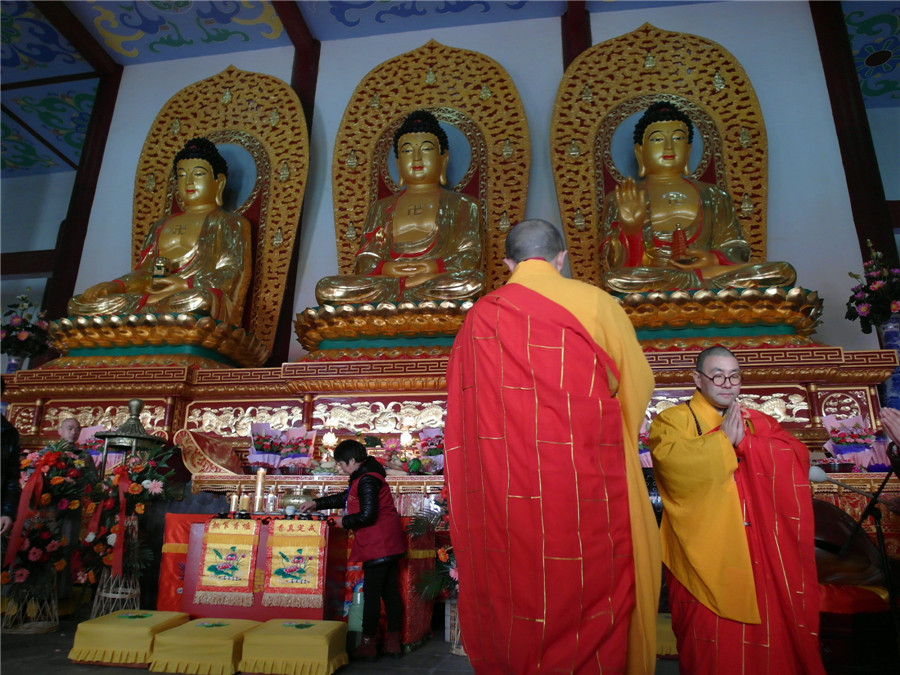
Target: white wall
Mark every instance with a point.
(33, 208)
(808, 204)
(809, 220)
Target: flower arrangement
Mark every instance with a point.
(24, 332)
(119, 499)
(42, 553)
(56, 481)
(271, 449)
(877, 295)
(855, 435)
(443, 581)
(60, 477)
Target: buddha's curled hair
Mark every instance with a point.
(203, 148)
(661, 112)
(420, 121)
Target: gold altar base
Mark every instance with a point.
(153, 337)
(735, 318)
(326, 327)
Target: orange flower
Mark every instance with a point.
(45, 499)
(56, 480)
(92, 577)
(139, 508)
(74, 504)
(107, 560)
(99, 548)
(442, 554)
(60, 564)
(89, 508)
(5, 578)
(135, 488)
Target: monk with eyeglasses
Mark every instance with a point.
(737, 531)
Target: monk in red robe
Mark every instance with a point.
(737, 532)
(555, 538)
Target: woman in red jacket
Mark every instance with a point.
(378, 542)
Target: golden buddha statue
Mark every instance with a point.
(668, 232)
(195, 262)
(423, 243)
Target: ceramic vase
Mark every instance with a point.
(889, 335)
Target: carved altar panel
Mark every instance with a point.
(233, 417)
(381, 416)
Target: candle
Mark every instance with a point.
(260, 481)
(244, 502)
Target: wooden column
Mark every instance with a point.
(871, 214)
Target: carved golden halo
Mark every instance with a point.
(385, 320)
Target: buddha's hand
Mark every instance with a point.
(698, 260)
(164, 287)
(632, 206)
(409, 268)
(100, 290)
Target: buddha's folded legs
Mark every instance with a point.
(450, 286)
(199, 301)
(749, 275)
(117, 303)
(755, 275)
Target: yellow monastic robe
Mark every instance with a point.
(703, 539)
(610, 328)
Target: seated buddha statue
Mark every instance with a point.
(423, 243)
(668, 232)
(195, 262)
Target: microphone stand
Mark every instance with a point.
(875, 512)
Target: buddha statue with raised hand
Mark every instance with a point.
(668, 232)
(195, 262)
(423, 243)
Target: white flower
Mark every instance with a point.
(146, 484)
(111, 539)
(90, 537)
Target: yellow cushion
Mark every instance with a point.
(202, 646)
(123, 637)
(295, 647)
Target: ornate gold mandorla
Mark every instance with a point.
(796, 308)
(153, 330)
(385, 320)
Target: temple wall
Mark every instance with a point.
(808, 201)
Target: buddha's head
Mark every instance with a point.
(420, 146)
(201, 173)
(662, 141)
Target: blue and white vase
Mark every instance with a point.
(889, 335)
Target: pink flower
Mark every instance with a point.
(23, 335)
(863, 309)
(52, 546)
(877, 284)
(63, 504)
(895, 306)
(35, 554)
(15, 320)
(454, 574)
(21, 575)
(155, 487)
